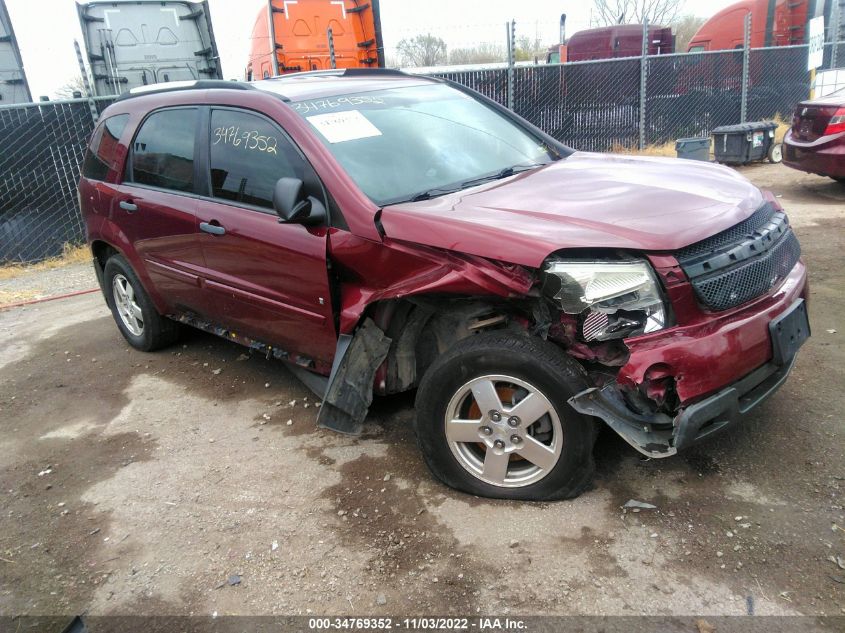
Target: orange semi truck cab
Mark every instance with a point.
(296, 38)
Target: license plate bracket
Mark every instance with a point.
(789, 331)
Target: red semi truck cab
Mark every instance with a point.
(608, 42)
(622, 40)
(296, 39)
(773, 23)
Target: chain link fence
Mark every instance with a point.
(599, 106)
(593, 106)
(42, 149)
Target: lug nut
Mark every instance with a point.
(499, 444)
(515, 439)
(486, 430)
(513, 421)
(495, 416)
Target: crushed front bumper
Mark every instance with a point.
(711, 400)
(660, 436)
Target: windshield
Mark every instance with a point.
(421, 141)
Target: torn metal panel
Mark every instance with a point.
(350, 390)
(564, 331)
(375, 271)
(643, 432)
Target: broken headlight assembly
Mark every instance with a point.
(613, 299)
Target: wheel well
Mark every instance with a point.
(422, 328)
(102, 251)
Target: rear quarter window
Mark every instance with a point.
(163, 150)
(102, 150)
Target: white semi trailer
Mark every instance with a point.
(13, 85)
(133, 43)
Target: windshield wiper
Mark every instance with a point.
(504, 173)
(433, 193)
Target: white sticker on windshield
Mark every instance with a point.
(338, 127)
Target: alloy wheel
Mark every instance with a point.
(127, 307)
(504, 431)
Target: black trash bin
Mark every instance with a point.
(693, 148)
(746, 142)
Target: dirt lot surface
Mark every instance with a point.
(154, 483)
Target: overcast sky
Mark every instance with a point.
(46, 36)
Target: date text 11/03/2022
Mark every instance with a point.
(416, 624)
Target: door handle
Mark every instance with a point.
(211, 227)
(130, 207)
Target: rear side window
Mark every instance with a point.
(102, 151)
(247, 155)
(163, 150)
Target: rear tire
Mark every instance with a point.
(133, 311)
(465, 427)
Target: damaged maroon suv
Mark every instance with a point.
(382, 232)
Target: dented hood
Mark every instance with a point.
(584, 200)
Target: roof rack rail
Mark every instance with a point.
(176, 86)
(344, 72)
(375, 71)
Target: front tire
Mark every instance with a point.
(493, 419)
(133, 310)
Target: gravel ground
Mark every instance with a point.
(39, 284)
(152, 483)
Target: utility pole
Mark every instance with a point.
(746, 59)
(643, 82)
(510, 28)
(332, 59)
(271, 26)
(834, 19)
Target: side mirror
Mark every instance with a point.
(289, 200)
(293, 205)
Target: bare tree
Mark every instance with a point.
(483, 53)
(685, 27)
(657, 12)
(528, 48)
(422, 50)
(76, 84)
